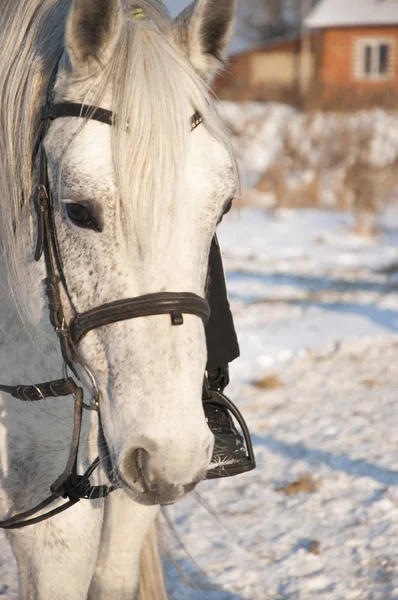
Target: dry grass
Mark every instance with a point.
(269, 382)
(314, 547)
(366, 188)
(304, 192)
(370, 383)
(305, 485)
(331, 167)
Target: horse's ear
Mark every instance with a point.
(203, 31)
(92, 30)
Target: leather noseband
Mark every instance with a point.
(163, 303)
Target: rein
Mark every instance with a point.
(70, 485)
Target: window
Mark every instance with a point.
(374, 58)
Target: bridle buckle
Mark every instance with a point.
(29, 393)
(62, 330)
(41, 197)
(94, 403)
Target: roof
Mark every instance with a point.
(346, 13)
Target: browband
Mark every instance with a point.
(71, 109)
(86, 111)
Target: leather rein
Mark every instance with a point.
(70, 485)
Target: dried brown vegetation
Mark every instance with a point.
(305, 485)
(335, 166)
(269, 382)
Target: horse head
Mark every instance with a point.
(136, 206)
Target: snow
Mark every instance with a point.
(316, 306)
(323, 317)
(340, 13)
(304, 270)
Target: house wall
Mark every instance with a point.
(307, 65)
(266, 75)
(338, 84)
(234, 81)
(319, 71)
(273, 67)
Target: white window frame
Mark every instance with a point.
(375, 43)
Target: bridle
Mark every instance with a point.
(70, 485)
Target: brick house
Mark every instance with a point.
(268, 73)
(346, 58)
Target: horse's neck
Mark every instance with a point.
(29, 353)
(31, 356)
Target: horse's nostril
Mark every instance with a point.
(134, 465)
(165, 469)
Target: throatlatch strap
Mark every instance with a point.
(40, 391)
(69, 485)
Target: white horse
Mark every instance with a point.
(136, 207)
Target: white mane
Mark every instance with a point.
(152, 88)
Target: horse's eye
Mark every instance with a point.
(226, 209)
(81, 216)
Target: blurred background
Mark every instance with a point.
(311, 252)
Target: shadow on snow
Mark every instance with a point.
(336, 462)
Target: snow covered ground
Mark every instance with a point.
(316, 308)
(317, 313)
